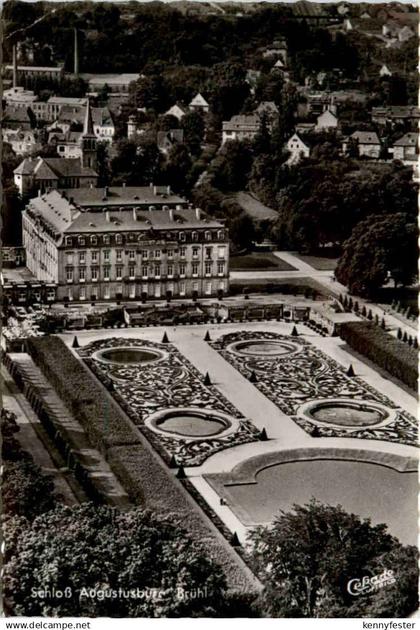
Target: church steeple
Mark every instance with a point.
(88, 140)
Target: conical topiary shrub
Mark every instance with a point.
(181, 473)
(294, 332)
(356, 307)
(364, 312)
(369, 315)
(415, 343)
(234, 541)
(316, 432)
(253, 377)
(405, 337)
(383, 325)
(410, 341)
(207, 336)
(165, 338)
(399, 334)
(75, 343)
(207, 380)
(173, 463)
(350, 371)
(263, 435)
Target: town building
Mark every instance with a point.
(44, 173)
(50, 110)
(18, 118)
(297, 148)
(241, 127)
(22, 141)
(124, 253)
(168, 139)
(396, 114)
(384, 71)
(55, 73)
(115, 83)
(19, 97)
(71, 117)
(199, 104)
(367, 142)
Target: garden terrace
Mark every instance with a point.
(147, 481)
(293, 379)
(391, 354)
(151, 390)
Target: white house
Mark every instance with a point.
(405, 34)
(19, 97)
(297, 149)
(326, 120)
(406, 148)
(199, 104)
(347, 25)
(385, 71)
(178, 111)
(22, 141)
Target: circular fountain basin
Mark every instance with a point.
(191, 423)
(347, 413)
(267, 348)
(129, 355)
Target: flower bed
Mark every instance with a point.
(294, 379)
(143, 390)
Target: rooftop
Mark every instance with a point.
(366, 137)
(123, 195)
(410, 139)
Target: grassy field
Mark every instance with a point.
(319, 262)
(259, 262)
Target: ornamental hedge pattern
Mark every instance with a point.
(290, 380)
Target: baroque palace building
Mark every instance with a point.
(124, 243)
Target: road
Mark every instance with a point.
(326, 280)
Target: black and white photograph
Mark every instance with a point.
(209, 291)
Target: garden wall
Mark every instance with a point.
(394, 356)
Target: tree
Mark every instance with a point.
(101, 548)
(228, 89)
(379, 246)
(178, 168)
(242, 231)
(308, 556)
(193, 126)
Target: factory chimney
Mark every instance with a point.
(76, 55)
(15, 67)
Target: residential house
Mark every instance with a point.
(384, 71)
(405, 33)
(367, 142)
(178, 111)
(50, 110)
(406, 148)
(326, 121)
(347, 25)
(168, 139)
(241, 127)
(297, 148)
(199, 104)
(115, 83)
(22, 141)
(365, 16)
(18, 118)
(68, 144)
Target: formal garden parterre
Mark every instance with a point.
(170, 383)
(303, 374)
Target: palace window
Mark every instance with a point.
(69, 275)
(195, 269)
(208, 268)
(118, 239)
(132, 272)
(182, 268)
(81, 240)
(170, 271)
(119, 271)
(144, 271)
(220, 235)
(195, 251)
(118, 254)
(170, 253)
(220, 268)
(107, 272)
(94, 256)
(182, 236)
(132, 254)
(82, 274)
(107, 254)
(93, 240)
(182, 252)
(194, 236)
(82, 258)
(94, 271)
(207, 235)
(221, 251)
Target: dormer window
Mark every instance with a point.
(81, 240)
(118, 239)
(106, 240)
(208, 235)
(220, 235)
(93, 240)
(69, 240)
(182, 236)
(194, 236)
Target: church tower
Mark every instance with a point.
(88, 141)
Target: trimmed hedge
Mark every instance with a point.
(147, 481)
(389, 353)
(102, 420)
(149, 484)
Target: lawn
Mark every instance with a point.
(259, 262)
(321, 263)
